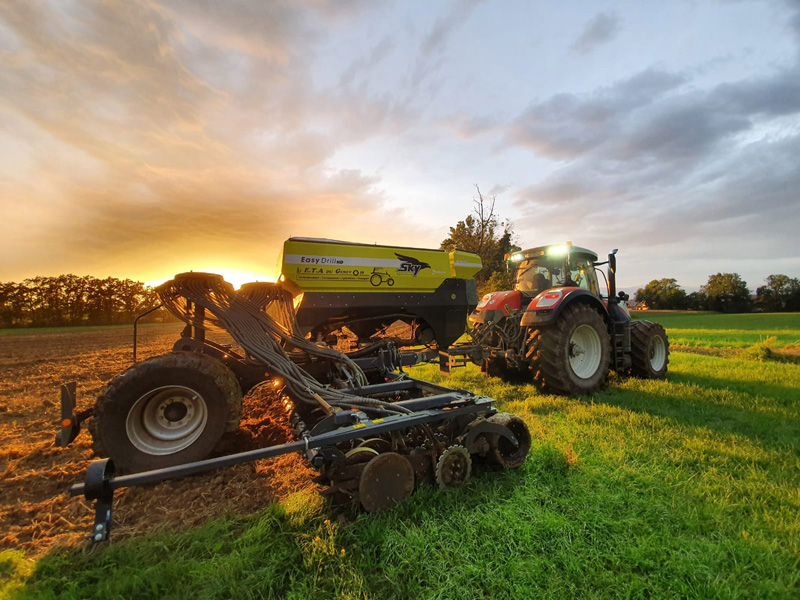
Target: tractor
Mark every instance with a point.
(557, 328)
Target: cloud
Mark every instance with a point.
(600, 30)
(657, 162)
(148, 133)
(365, 64)
(430, 57)
(566, 125)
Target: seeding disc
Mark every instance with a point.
(386, 480)
(454, 467)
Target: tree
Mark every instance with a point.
(11, 304)
(782, 293)
(663, 294)
(696, 301)
(727, 292)
(480, 233)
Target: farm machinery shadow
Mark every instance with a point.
(693, 410)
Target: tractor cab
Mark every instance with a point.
(557, 266)
(562, 268)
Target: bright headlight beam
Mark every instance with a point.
(557, 250)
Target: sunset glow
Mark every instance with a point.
(141, 139)
(235, 277)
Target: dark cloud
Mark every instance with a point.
(650, 117)
(565, 125)
(600, 30)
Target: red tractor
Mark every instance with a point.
(556, 326)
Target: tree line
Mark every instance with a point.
(724, 292)
(68, 300)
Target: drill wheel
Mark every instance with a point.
(388, 479)
(454, 468)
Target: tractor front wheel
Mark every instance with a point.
(649, 350)
(165, 411)
(572, 356)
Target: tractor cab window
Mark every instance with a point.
(581, 274)
(535, 275)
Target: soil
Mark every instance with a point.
(36, 510)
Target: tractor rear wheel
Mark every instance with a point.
(572, 356)
(649, 350)
(165, 411)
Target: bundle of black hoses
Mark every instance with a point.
(265, 339)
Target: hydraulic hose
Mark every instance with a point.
(245, 315)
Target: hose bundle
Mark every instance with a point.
(246, 316)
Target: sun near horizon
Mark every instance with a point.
(236, 277)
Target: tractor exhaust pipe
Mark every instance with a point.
(612, 277)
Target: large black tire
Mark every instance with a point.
(571, 357)
(649, 350)
(165, 411)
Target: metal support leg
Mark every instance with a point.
(98, 488)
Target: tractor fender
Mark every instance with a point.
(545, 308)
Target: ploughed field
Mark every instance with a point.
(688, 487)
(36, 513)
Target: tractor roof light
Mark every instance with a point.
(558, 250)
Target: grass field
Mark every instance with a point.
(713, 330)
(684, 488)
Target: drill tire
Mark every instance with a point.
(208, 386)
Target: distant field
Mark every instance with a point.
(49, 330)
(714, 330)
(684, 488)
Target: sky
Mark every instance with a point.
(143, 139)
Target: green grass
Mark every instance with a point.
(715, 330)
(684, 488)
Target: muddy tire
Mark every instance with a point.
(572, 356)
(649, 350)
(165, 411)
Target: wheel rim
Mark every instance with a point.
(166, 420)
(658, 353)
(585, 351)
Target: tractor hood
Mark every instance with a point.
(497, 305)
